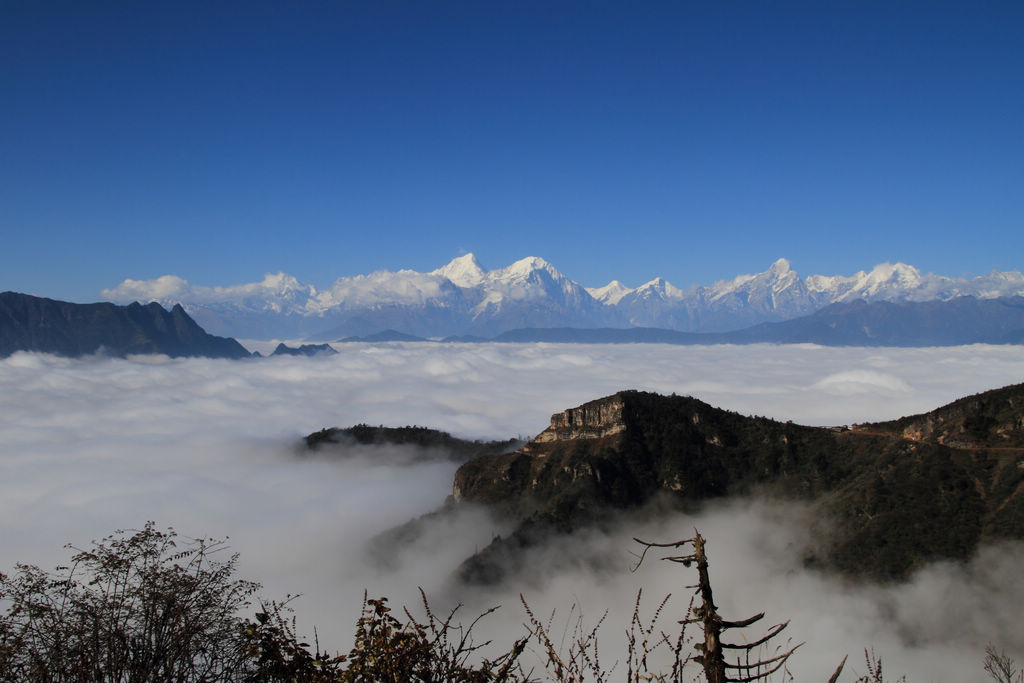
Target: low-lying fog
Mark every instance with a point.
(209, 447)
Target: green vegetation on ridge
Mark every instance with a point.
(912, 496)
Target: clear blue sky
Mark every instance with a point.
(222, 140)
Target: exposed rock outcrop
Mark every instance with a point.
(593, 420)
(902, 493)
(993, 419)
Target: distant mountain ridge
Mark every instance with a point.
(462, 298)
(30, 323)
(964, 320)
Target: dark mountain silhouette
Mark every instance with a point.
(336, 440)
(30, 323)
(896, 495)
(304, 350)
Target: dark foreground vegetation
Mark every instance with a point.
(335, 440)
(149, 606)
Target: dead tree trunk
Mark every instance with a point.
(712, 651)
(711, 657)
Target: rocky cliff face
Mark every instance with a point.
(593, 420)
(914, 490)
(622, 449)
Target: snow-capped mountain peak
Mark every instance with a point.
(777, 278)
(894, 273)
(524, 267)
(892, 281)
(611, 293)
(662, 287)
(530, 278)
(463, 298)
(464, 271)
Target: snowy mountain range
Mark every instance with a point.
(462, 298)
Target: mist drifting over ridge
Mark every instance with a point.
(208, 447)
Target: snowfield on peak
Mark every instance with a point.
(891, 280)
(463, 271)
(610, 294)
(462, 298)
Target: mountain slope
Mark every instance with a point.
(283, 349)
(992, 419)
(964, 320)
(29, 323)
(894, 503)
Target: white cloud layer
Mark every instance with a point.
(208, 446)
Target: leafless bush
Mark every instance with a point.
(874, 674)
(1001, 667)
(134, 607)
(389, 650)
(577, 655)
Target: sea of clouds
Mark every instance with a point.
(210, 447)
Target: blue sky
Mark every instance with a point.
(220, 141)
